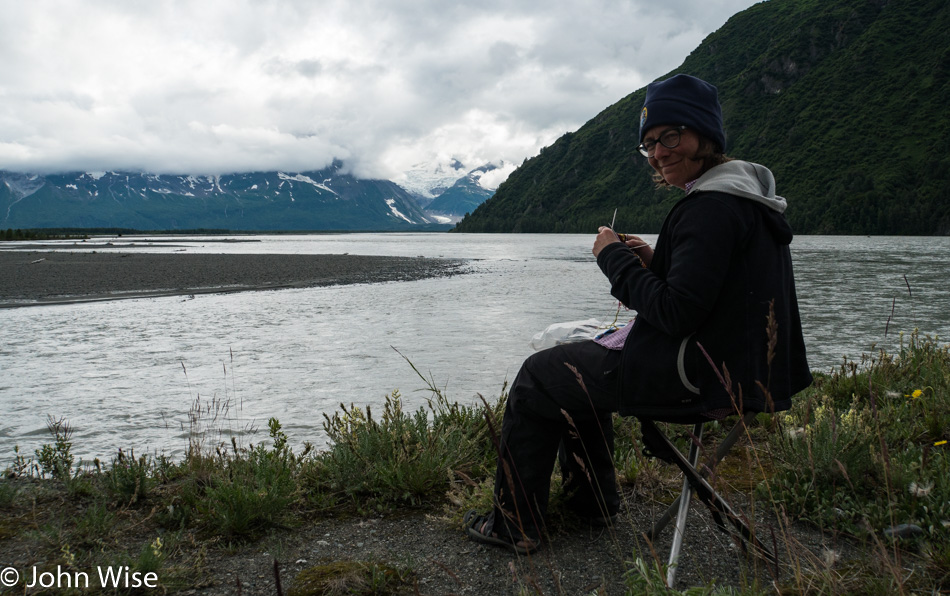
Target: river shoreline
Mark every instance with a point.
(33, 278)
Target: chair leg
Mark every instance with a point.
(717, 506)
(721, 451)
(683, 509)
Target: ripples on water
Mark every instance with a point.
(126, 373)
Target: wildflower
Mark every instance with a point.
(939, 443)
(920, 490)
(157, 546)
(68, 555)
(915, 394)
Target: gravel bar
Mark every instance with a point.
(36, 278)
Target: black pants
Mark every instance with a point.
(561, 399)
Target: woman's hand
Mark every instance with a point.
(607, 236)
(604, 237)
(640, 246)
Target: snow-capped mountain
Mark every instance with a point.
(449, 190)
(463, 197)
(429, 180)
(321, 200)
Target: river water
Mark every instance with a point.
(128, 374)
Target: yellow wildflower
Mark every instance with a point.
(68, 556)
(157, 546)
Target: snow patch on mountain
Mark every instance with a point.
(307, 180)
(396, 212)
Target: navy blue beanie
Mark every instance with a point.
(683, 99)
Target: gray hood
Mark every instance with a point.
(742, 179)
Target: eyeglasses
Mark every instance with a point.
(669, 138)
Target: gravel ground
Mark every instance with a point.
(576, 560)
(30, 278)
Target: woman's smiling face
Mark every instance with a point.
(678, 165)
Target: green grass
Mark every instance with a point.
(349, 577)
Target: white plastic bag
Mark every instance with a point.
(564, 333)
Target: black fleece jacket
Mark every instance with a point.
(720, 266)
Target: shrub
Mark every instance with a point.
(252, 489)
(406, 457)
(128, 479)
(57, 459)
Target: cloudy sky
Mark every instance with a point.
(223, 86)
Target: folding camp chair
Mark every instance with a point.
(694, 481)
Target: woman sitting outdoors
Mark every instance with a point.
(715, 299)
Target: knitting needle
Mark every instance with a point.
(623, 237)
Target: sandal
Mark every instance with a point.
(475, 523)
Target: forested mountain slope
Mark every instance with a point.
(845, 100)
